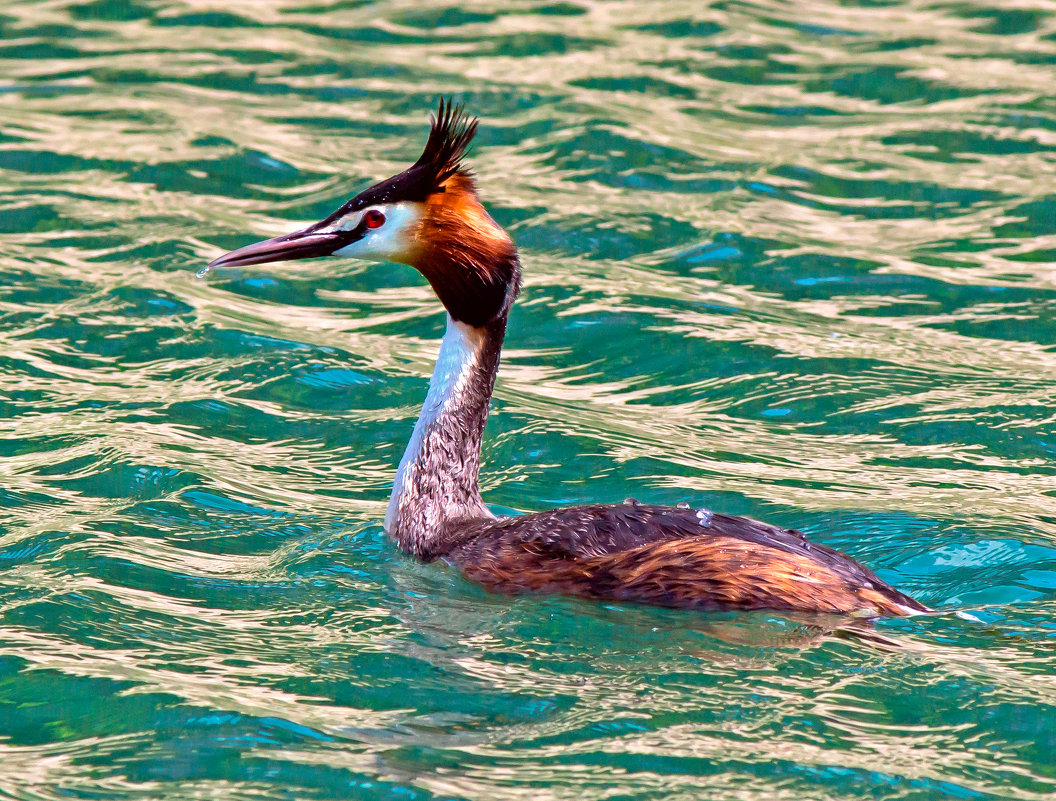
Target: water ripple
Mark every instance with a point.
(791, 261)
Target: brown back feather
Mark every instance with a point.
(669, 557)
(715, 573)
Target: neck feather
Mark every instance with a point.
(437, 481)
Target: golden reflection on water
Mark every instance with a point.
(793, 256)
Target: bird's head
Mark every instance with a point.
(428, 216)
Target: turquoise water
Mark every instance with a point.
(793, 261)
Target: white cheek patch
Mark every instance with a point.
(389, 240)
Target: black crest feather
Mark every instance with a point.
(450, 133)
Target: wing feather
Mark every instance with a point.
(670, 557)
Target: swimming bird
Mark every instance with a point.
(430, 217)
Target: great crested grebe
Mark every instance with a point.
(429, 216)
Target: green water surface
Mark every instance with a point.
(788, 260)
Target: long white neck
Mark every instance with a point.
(437, 481)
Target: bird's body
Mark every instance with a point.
(669, 556)
(429, 216)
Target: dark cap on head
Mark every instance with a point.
(450, 133)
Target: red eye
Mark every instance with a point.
(374, 219)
